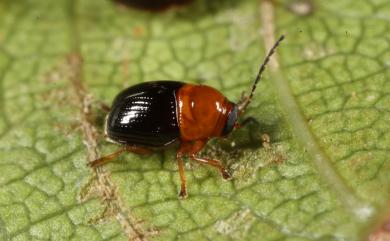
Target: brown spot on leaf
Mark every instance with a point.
(138, 31)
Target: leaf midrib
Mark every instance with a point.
(302, 131)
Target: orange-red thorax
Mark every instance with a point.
(202, 112)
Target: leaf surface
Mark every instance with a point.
(326, 109)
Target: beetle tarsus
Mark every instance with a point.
(225, 174)
(183, 193)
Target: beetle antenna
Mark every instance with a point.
(245, 100)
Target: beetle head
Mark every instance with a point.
(231, 121)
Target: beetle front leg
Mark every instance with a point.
(186, 148)
(192, 148)
(183, 186)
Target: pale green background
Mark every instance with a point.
(335, 62)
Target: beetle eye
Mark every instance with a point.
(231, 121)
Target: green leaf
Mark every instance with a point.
(324, 103)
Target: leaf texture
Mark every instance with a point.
(324, 104)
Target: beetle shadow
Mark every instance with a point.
(242, 142)
(248, 137)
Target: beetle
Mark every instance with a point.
(153, 115)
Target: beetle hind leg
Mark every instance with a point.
(103, 160)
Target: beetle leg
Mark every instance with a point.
(186, 148)
(103, 160)
(138, 150)
(183, 187)
(214, 163)
(103, 106)
(192, 148)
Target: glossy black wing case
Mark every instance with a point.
(145, 115)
